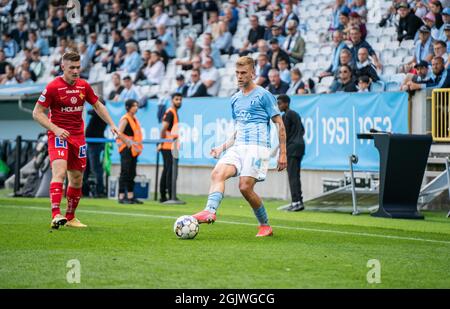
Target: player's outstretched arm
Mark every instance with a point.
(101, 110)
(216, 152)
(282, 159)
(40, 115)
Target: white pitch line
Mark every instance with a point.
(101, 212)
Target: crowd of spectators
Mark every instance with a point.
(110, 32)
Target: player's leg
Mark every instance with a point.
(75, 167)
(59, 168)
(219, 175)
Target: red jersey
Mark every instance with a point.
(66, 102)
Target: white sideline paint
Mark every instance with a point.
(129, 214)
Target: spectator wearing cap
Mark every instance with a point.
(446, 20)
(276, 53)
(277, 33)
(9, 46)
(356, 21)
(262, 70)
(430, 20)
(421, 75)
(294, 45)
(182, 87)
(196, 87)
(440, 78)
(436, 9)
(423, 49)
(408, 23)
(117, 87)
(130, 91)
(338, 7)
(355, 36)
(338, 45)
(447, 36)
(269, 25)
(255, 33)
(347, 82)
(210, 77)
(297, 86)
(364, 66)
(276, 86)
(132, 60)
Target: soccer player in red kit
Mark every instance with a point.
(65, 97)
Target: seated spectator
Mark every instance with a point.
(34, 41)
(338, 45)
(187, 54)
(255, 33)
(153, 73)
(128, 37)
(276, 86)
(439, 79)
(85, 62)
(408, 24)
(159, 47)
(159, 18)
(182, 87)
(276, 53)
(346, 80)
(297, 86)
(132, 60)
(137, 24)
(213, 25)
(118, 17)
(294, 45)
(363, 83)
(278, 16)
(359, 7)
(447, 36)
(36, 65)
(430, 21)
(344, 59)
(420, 8)
(117, 50)
(25, 78)
(224, 39)
(3, 62)
(167, 40)
(356, 22)
(289, 15)
(59, 24)
(262, 70)
(446, 19)
(263, 47)
(355, 36)
(440, 50)
(277, 33)
(269, 25)
(421, 75)
(344, 25)
(114, 94)
(423, 49)
(210, 77)
(196, 87)
(130, 91)
(283, 68)
(208, 50)
(8, 78)
(436, 9)
(24, 66)
(9, 46)
(364, 66)
(20, 34)
(338, 8)
(231, 17)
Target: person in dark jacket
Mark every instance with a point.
(364, 67)
(346, 81)
(408, 24)
(295, 147)
(439, 79)
(196, 87)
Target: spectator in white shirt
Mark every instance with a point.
(210, 77)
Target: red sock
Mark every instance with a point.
(56, 192)
(73, 197)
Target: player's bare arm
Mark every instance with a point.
(282, 159)
(217, 151)
(101, 110)
(40, 115)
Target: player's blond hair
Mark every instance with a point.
(71, 56)
(246, 61)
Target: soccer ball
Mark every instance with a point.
(186, 227)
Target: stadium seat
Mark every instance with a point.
(392, 86)
(389, 70)
(408, 44)
(377, 86)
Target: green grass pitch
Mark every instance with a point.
(134, 246)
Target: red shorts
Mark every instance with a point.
(73, 150)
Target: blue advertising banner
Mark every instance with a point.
(331, 123)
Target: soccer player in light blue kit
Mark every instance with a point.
(248, 150)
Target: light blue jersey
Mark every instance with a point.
(252, 114)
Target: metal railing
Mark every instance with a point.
(440, 120)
